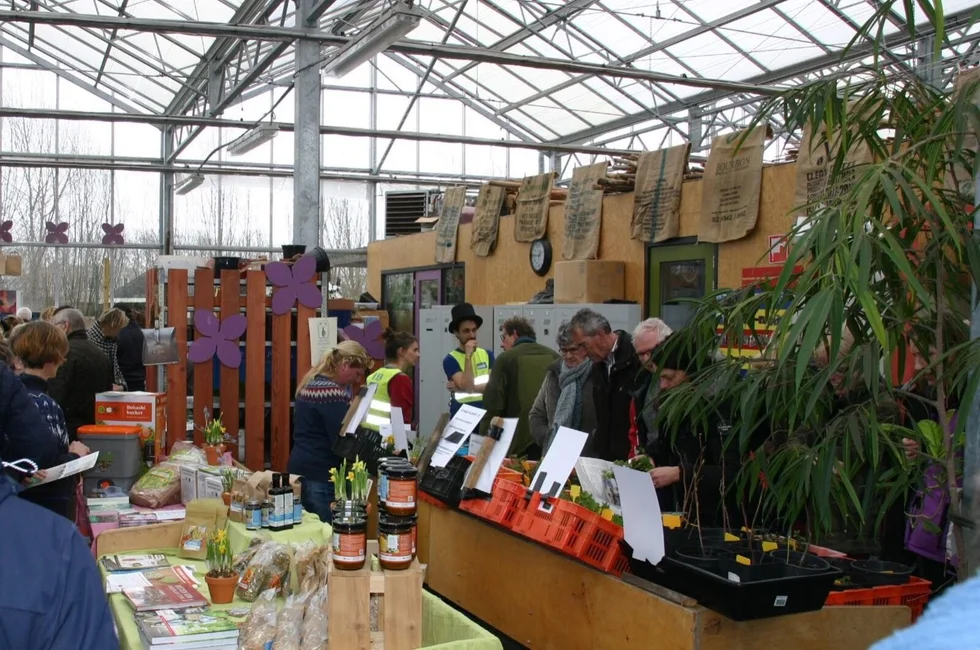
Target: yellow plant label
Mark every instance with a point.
(731, 538)
(607, 514)
(671, 521)
(741, 559)
(575, 491)
(769, 546)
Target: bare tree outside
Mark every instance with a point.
(345, 227)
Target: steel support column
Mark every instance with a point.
(166, 194)
(306, 162)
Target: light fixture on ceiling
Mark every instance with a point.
(188, 184)
(252, 138)
(391, 26)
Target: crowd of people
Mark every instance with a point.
(53, 368)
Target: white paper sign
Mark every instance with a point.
(589, 472)
(323, 337)
(497, 456)
(466, 420)
(398, 429)
(70, 468)
(558, 463)
(643, 527)
(367, 394)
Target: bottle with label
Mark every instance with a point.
(297, 508)
(275, 495)
(287, 502)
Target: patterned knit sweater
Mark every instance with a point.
(320, 409)
(55, 496)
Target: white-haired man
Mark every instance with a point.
(25, 314)
(643, 409)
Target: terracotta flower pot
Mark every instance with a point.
(222, 590)
(226, 497)
(214, 453)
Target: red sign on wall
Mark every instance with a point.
(778, 249)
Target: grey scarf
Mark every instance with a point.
(568, 408)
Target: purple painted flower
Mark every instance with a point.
(293, 283)
(5, 231)
(113, 234)
(220, 338)
(369, 336)
(57, 233)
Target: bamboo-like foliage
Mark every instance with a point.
(887, 254)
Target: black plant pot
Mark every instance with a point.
(800, 564)
(878, 573)
(763, 567)
(703, 558)
(226, 263)
(289, 251)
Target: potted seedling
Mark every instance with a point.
(350, 489)
(227, 482)
(214, 438)
(221, 577)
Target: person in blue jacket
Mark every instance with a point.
(23, 432)
(52, 597)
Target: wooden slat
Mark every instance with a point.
(280, 390)
(203, 372)
(152, 383)
(230, 393)
(140, 538)
(303, 362)
(177, 373)
(403, 611)
(255, 371)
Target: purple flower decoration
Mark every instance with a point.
(5, 235)
(220, 338)
(369, 336)
(293, 283)
(56, 233)
(113, 234)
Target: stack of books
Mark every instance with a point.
(196, 628)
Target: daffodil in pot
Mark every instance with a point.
(227, 483)
(214, 439)
(221, 577)
(350, 489)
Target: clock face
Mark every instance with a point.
(540, 256)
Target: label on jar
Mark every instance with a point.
(349, 547)
(382, 487)
(254, 519)
(400, 493)
(395, 548)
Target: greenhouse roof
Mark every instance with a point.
(624, 73)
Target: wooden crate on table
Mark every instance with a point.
(400, 622)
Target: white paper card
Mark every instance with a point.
(323, 337)
(367, 394)
(497, 456)
(558, 463)
(398, 429)
(590, 474)
(466, 420)
(171, 515)
(643, 527)
(70, 468)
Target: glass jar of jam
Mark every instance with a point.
(385, 462)
(401, 489)
(396, 541)
(349, 543)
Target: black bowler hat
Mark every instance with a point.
(462, 312)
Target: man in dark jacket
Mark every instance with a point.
(86, 372)
(515, 380)
(614, 370)
(23, 432)
(53, 597)
(129, 352)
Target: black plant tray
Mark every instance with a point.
(363, 444)
(445, 483)
(740, 601)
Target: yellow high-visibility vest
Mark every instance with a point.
(481, 373)
(379, 411)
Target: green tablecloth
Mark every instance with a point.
(442, 626)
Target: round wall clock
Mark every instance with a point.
(541, 256)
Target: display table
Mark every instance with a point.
(547, 600)
(442, 626)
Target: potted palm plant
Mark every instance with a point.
(880, 263)
(221, 576)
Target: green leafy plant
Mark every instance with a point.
(220, 559)
(880, 263)
(227, 479)
(214, 431)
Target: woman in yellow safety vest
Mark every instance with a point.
(395, 386)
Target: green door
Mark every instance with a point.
(676, 273)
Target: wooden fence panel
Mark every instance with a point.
(230, 394)
(177, 372)
(303, 316)
(203, 372)
(255, 370)
(281, 393)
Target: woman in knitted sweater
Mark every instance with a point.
(322, 399)
(39, 348)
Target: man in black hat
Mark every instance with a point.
(468, 366)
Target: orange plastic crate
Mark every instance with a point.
(504, 505)
(914, 595)
(510, 475)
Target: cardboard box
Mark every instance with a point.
(188, 483)
(213, 487)
(148, 410)
(589, 281)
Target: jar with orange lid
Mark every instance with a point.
(396, 541)
(349, 543)
(400, 497)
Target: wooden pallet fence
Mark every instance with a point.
(265, 349)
